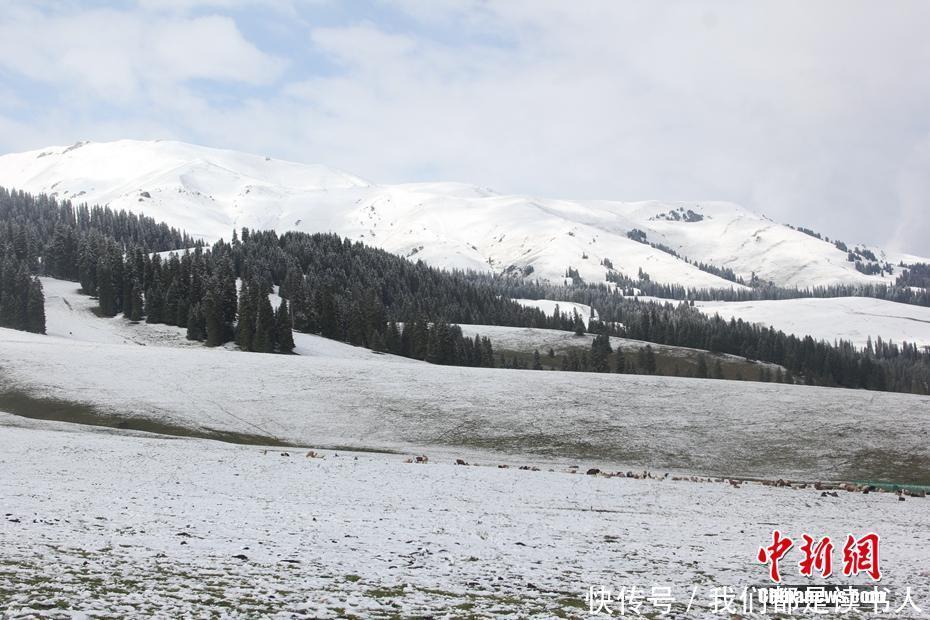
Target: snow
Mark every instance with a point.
(69, 316)
(120, 524)
(565, 308)
(854, 319)
(349, 397)
(210, 192)
(528, 339)
(101, 522)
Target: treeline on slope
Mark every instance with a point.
(603, 358)
(917, 275)
(329, 286)
(22, 303)
(39, 235)
(900, 292)
(41, 226)
(364, 296)
(197, 290)
(879, 366)
(721, 272)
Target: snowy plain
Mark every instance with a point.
(115, 524)
(101, 522)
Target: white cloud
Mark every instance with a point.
(806, 112)
(812, 113)
(119, 56)
(187, 6)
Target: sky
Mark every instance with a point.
(815, 114)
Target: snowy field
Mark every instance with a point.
(340, 396)
(107, 524)
(855, 319)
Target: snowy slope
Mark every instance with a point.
(336, 395)
(209, 192)
(569, 308)
(70, 317)
(855, 319)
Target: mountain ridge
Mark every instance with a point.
(210, 192)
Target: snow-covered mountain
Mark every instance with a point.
(210, 192)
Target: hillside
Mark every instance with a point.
(111, 372)
(521, 342)
(854, 319)
(210, 192)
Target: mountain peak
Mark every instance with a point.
(209, 192)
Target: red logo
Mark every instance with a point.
(773, 554)
(860, 555)
(817, 557)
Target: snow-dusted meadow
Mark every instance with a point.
(113, 524)
(854, 319)
(341, 396)
(116, 523)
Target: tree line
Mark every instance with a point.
(364, 296)
(881, 365)
(905, 290)
(41, 236)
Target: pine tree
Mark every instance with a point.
(170, 309)
(701, 372)
(487, 353)
(195, 323)
(153, 303)
(264, 327)
(126, 304)
(135, 303)
(537, 363)
(245, 330)
(619, 361)
(36, 308)
(651, 366)
(106, 292)
(579, 325)
(183, 312)
(392, 339)
(213, 318)
(284, 330)
(600, 353)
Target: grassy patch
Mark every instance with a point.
(387, 592)
(670, 361)
(21, 403)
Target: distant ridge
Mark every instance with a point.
(209, 192)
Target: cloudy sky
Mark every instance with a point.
(815, 114)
